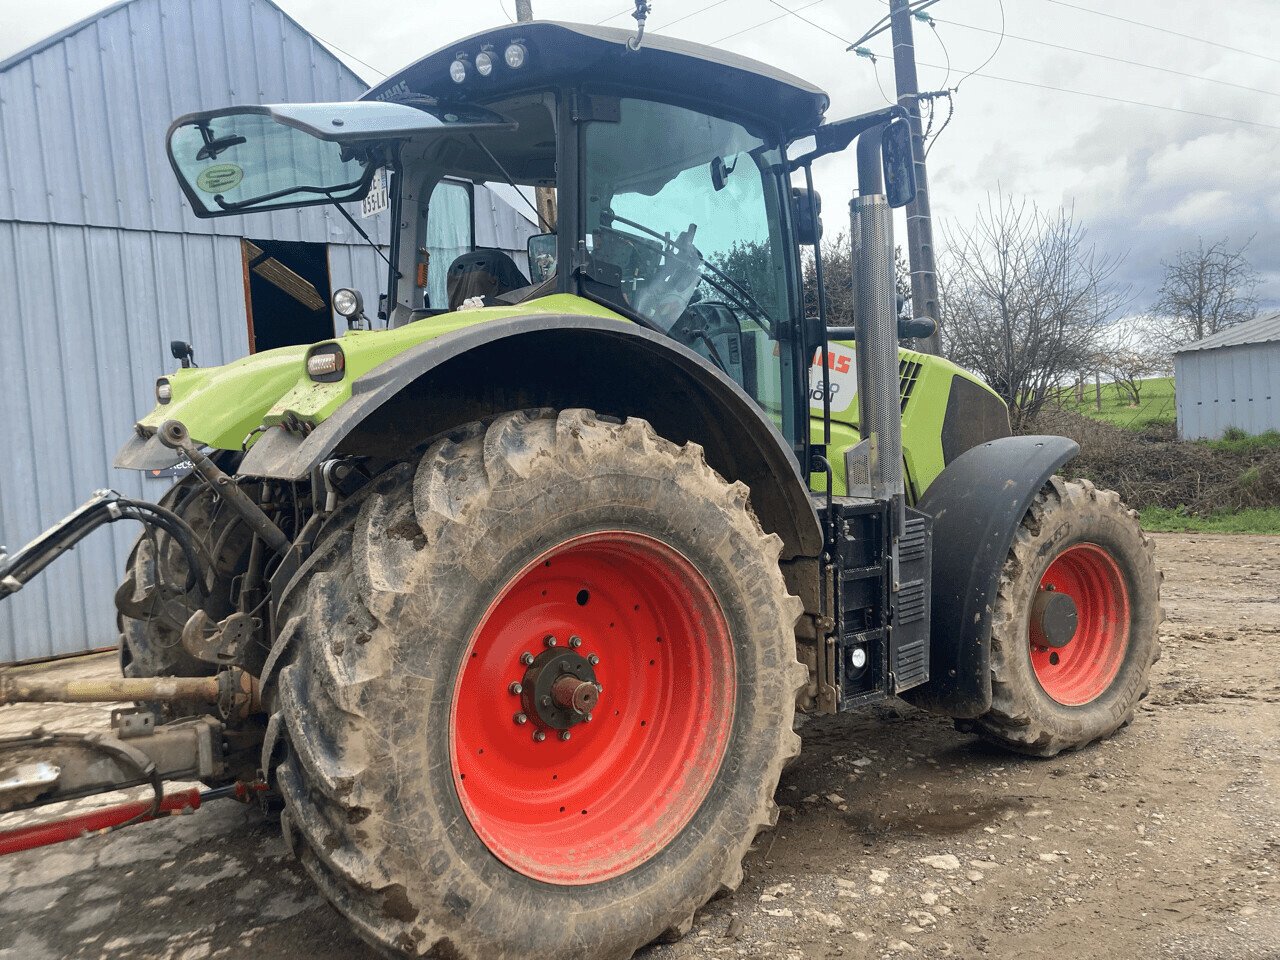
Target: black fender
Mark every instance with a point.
(976, 503)
(560, 360)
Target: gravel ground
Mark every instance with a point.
(899, 837)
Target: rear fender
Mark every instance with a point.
(615, 368)
(976, 503)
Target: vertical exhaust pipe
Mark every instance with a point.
(879, 404)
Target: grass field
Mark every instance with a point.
(1164, 520)
(1157, 404)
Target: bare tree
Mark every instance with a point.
(1024, 296)
(1206, 289)
(837, 277)
(1134, 352)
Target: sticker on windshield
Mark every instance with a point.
(842, 375)
(220, 178)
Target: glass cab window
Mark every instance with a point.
(682, 226)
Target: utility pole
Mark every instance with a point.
(545, 196)
(920, 253)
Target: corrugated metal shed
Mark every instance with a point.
(103, 263)
(1230, 379)
(1258, 330)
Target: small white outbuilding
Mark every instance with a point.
(1230, 379)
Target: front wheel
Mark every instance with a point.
(1074, 631)
(536, 694)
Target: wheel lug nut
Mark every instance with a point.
(516, 688)
(575, 642)
(520, 719)
(546, 701)
(593, 659)
(550, 641)
(564, 734)
(526, 658)
(539, 736)
(588, 718)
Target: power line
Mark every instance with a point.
(1044, 86)
(614, 16)
(816, 26)
(765, 23)
(1105, 56)
(687, 16)
(352, 56)
(1103, 96)
(1152, 26)
(999, 44)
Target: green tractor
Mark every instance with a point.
(508, 599)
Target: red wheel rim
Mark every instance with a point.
(629, 780)
(1084, 669)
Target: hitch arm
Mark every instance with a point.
(106, 506)
(173, 434)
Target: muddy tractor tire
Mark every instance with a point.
(1075, 625)
(152, 603)
(532, 698)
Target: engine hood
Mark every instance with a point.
(229, 407)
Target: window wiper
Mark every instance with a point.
(746, 302)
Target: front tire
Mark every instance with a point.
(152, 603)
(422, 804)
(1081, 542)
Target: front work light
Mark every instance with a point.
(458, 71)
(484, 63)
(515, 55)
(347, 302)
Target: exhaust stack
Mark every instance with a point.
(879, 406)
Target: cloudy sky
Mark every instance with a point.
(1144, 180)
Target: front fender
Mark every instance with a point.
(560, 360)
(976, 503)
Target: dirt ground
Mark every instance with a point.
(899, 836)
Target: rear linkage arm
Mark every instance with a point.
(106, 506)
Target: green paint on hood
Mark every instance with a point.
(221, 406)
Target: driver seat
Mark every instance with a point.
(482, 273)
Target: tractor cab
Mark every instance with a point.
(662, 177)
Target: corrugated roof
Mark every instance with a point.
(1258, 330)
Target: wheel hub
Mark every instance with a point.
(559, 689)
(1054, 619)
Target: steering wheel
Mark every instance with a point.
(670, 274)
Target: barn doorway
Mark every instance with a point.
(286, 290)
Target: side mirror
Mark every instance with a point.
(182, 351)
(808, 226)
(899, 163)
(542, 256)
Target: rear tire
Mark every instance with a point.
(1084, 542)
(390, 679)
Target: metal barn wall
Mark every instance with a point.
(1234, 386)
(103, 264)
(83, 118)
(86, 333)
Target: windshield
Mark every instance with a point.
(678, 202)
(684, 227)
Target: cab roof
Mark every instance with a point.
(566, 54)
